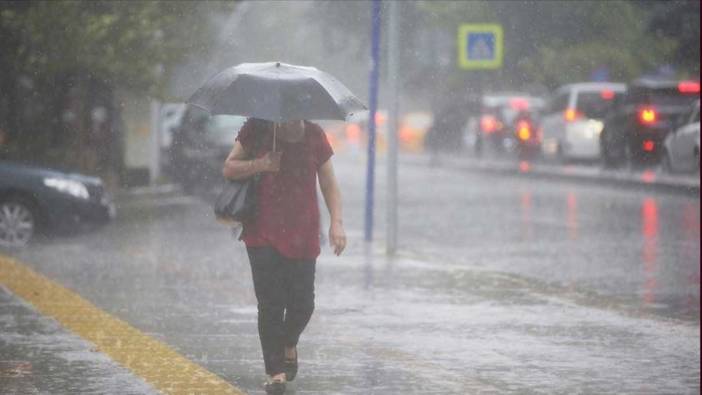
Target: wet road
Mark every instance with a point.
(641, 247)
(503, 285)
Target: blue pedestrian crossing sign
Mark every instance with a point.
(479, 46)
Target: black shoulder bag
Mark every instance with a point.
(236, 202)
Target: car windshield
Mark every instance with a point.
(222, 129)
(594, 104)
(508, 107)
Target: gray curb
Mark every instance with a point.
(647, 180)
(155, 190)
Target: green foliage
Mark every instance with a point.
(132, 44)
(61, 60)
(554, 42)
(546, 42)
(679, 22)
(602, 34)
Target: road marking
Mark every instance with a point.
(154, 361)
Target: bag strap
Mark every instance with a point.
(258, 144)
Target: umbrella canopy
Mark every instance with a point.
(276, 92)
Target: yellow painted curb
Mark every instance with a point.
(154, 361)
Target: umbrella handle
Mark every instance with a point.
(275, 129)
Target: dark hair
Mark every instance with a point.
(259, 123)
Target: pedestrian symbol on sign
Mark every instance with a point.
(480, 46)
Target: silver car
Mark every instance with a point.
(682, 146)
(572, 121)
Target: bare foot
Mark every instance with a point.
(280, 377)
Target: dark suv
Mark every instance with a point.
(636, 126)
(201, 143)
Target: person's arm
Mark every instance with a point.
(332, 198)
(238, 166)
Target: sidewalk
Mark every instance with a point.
(422, 327)
(39, 356)
(463, 330)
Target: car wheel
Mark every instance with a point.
(478, 146)
(18, 221)
(630, 160)
(608, 157)
(561, 156)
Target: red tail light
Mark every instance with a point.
(572, 114)
(648, 145)
(607, 94)
(689, 87)
(353, 133)
(648, 116)
(380, 118)
(519, 104)
(523, 130)
(488, 123)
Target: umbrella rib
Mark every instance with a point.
(198, 106)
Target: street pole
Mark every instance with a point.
(393, 37)
(155, 157)
(373, 104)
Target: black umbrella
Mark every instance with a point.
(276, 92)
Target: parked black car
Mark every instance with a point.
(200, 145)
(34, 198)
(636, 126)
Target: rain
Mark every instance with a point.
(462, 197)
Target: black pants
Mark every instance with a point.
(285, 291)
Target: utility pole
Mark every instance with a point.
(393, 79)
(373, 104)
(155, 143)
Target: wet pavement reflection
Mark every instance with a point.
(649, 230)
(572, 216)
(502, 285)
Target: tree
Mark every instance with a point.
(62, 60)
(552, 43)
(678, 21)
(546, 42)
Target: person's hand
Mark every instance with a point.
(269, 162)
(337, 237)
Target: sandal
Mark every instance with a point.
(274, 387)
(290, 367)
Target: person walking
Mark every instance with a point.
(282, 238)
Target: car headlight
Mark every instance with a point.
(71, 187)
(598, 126)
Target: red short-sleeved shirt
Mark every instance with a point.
(287, 214)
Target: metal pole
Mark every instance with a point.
(155, 157)
(391, 227)
(373, 103)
